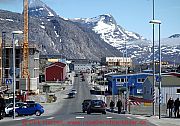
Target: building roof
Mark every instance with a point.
(120, 75)
(167, 80)
(59, 64)
(81, 61)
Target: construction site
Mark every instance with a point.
(19, 60)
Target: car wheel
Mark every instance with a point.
(88, 112)
(38, 113)
(104, 112)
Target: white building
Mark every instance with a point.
(170, 88)
(118, 61)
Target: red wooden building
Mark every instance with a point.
(55, 72)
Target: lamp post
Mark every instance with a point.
(159, 23)
(14, 78)
(126, 80)
(154, 69)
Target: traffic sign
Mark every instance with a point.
(11, 72)
(8, 81)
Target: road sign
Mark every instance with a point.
(8, 81)
(11, 72)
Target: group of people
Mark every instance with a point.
(118, 105)
(2, 106)
(173, 106)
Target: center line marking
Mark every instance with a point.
(109, 117)
(50, 118)
(79, 117)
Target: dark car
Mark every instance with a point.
(96, 106)
(71, 95)
(85, 105)
(28, 109)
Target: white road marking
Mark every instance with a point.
(129, 117)
(31, 118)
(19, 118)
(141, 117)
(50, 118)
(79, 117)
(109, 117)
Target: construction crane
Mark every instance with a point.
(25, 71)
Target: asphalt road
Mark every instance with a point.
(71, 114)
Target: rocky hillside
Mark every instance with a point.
(55, 35)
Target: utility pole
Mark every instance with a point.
(154, 69)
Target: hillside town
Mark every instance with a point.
(51, 76)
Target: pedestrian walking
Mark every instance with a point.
(170, 106)
(112, 104)
(176, 107)
(2, 107)
(119, 105)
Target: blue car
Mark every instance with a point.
(28, 109)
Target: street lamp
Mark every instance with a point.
(14, 78)
(159, 23)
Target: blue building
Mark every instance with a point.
(117, 83)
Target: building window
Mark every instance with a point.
(118, 80)
(140, 80)
(121, 80)
(178, 90)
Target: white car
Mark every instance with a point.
(74, 91)
(10, 106)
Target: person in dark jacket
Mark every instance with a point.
(119, 105)
(170, 106)
(2, 106)
(112, 104)
(176, 107)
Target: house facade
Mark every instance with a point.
(117, 61)
(170, 87)
(55, 72)
(134, 83)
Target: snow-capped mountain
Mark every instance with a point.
(175, 36)
(38, 9)
(106, 26)
(138, 48)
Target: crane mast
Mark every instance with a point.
(25, 72)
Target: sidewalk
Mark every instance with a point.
(164, 121)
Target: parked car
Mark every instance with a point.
(96, 106)
(85, 105)
(30, 102)
(71, 95)
(10, 106)
(28, 109)
(76, 75)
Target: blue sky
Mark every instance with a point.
(133, 15)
